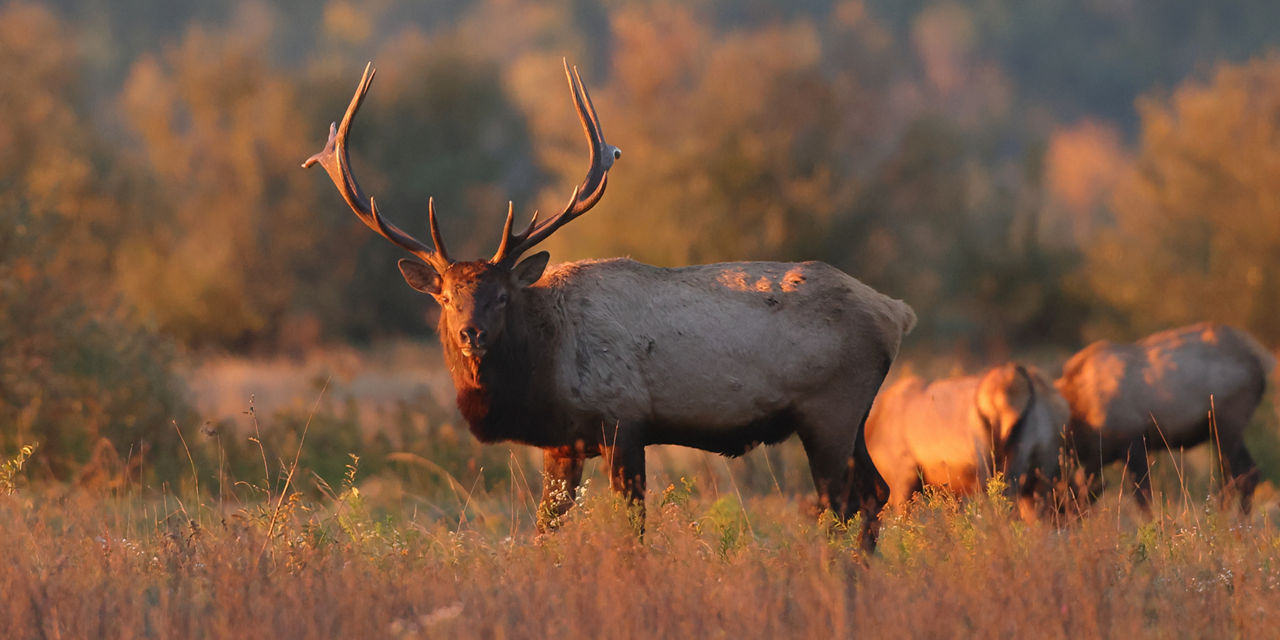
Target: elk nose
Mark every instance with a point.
(472, 337)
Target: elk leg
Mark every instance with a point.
(624, 458)
(903, 487)
(868, 492)
(846, 480)
(831, 430)
(830, 465)
(561, 475)
(1136, 463)
(1244, 476)
(1033, 494)
(1240, 473)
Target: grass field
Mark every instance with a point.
(430, 534)
(83, 565)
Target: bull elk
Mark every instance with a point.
(604, 357)
(1175, 388)
(958, 433)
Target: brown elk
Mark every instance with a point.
(958, 433)
(1174, 388)
(604, 357)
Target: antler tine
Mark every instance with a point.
(506, 233)
(509, 239)
(585, 195)
(436, 238)
(337, 163)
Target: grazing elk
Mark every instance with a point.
(604, 357)
(959, 432)
(1175, 388)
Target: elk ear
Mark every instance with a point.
(420, 276)
(530, 269)
(1004, 395)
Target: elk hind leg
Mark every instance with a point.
(903, 486)
(1240, 473)
(1139, 473)
(846, 479)
(1243, 475)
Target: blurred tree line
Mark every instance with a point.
(981, 159)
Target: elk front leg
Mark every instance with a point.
(561, 475)
(624, 458)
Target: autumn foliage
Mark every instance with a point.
(186, 315)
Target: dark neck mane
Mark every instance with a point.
(509, 401)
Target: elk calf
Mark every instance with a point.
(605, 357)
(959, 432)
(1175, 388)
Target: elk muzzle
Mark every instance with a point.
(473, 342)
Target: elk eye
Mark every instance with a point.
(502, 298)
(444, 300)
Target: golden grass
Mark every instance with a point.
(82, 566)
(419, 550)
(379, 378)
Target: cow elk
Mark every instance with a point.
(958, 433)
(604, 357)
(1173, 389)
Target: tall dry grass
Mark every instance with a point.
(437, 540)
(709, 565)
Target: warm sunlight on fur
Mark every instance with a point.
(940, 319)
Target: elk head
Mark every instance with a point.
(1005, 395)
(476, 297)
(1025, 416)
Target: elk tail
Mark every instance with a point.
(906, 317)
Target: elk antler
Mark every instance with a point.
(585, 195)
(337, 164)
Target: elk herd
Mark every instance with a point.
(605, 357)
